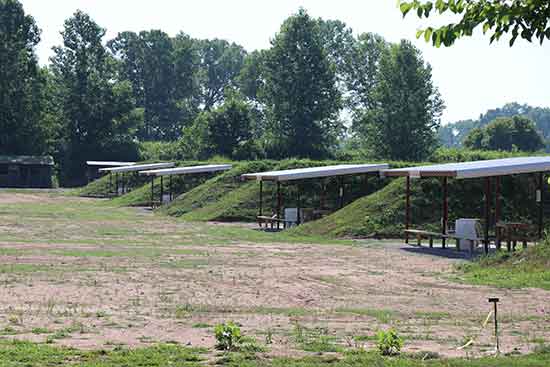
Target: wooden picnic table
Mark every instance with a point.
(511, 232)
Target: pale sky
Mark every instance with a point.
(472, 75)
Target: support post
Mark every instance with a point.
(278, 203)
(407, 207)
(445, 218)
(152, 192)
(487, 213)
(261, 203)
(497, 199)
(540, 204)
(298, 202)
(161, 190)
(116, 184)
(341, 191)
(366, 185)
(170, 186)
(111, 182)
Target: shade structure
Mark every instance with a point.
(476, 169)
(490, 171)
(187, 170)
(315, 172)
(109, 163)
(138, 167)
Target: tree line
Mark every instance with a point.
(316, 89)
(512, 126)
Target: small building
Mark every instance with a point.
(26, 171)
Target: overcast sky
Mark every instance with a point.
(472, 76)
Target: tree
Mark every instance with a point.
(453, 134)
(227, 130)
(506, 133)
(362, 74)
(94, 103)
(220, 63)
(527, 19)
(300, 91)
(408, 107)
(21, 102)
(162, 71)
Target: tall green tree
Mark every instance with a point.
(527, 19)
(226, 130)
(362, 74)
(300, 91)
(161, 72)
(506, 133)
(22, 83)
(408, 108)
(95, 104)
(220, 63)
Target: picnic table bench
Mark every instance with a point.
(267, 220)
(420, 234)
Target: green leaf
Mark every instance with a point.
(405, 8)
(427, 34)
(419, 33)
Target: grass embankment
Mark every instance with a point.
(18, 353)
(520, 269)
(227, 197)
(382, 214)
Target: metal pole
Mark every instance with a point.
(161, 191)
(366, 187)
(494, 301)
(111, 182)
(278, 203)
(487, 212)
(170, 184)
(445, 212)
(407, 207)
(497, 199)
(541, 204)
(298, 219)
(260, 207)
(341, 191)
(152, 192)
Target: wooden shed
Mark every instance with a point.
(26, 171)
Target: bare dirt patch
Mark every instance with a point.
(79, 281)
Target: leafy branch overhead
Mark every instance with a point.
(527, 19)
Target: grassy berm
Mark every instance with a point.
(520, 269)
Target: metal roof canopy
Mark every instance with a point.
(109, 163)
(137, 167)
(187, 170)
(315, 172)
(476, 169)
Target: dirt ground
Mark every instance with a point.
(81, 273)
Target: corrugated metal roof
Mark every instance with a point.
(475, 169)
(138, 167)
(27, 160)
(187, 170)
(315, 172)
(109, 163)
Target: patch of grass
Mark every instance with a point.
(201, 325)
(520, 269)
(382, 316)
(21, 353)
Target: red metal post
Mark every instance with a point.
(407, 206)
(445, 212)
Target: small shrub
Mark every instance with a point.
(389, 342)
(228, 336)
